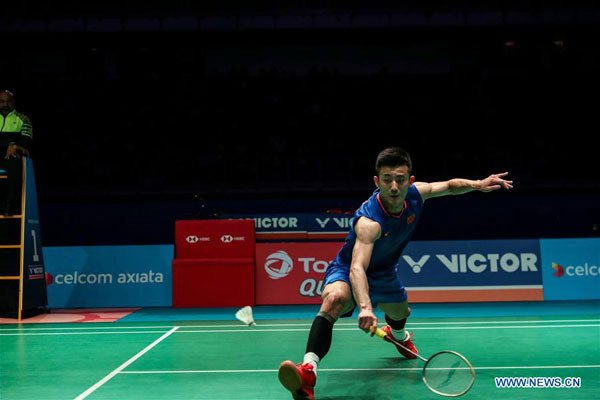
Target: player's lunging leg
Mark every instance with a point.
(300, 379)
(396, 315)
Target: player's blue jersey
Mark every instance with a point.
(396, 231)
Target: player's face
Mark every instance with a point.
(394, 183)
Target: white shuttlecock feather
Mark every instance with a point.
(245, 315)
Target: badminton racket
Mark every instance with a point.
(446, 373)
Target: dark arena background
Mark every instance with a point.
(146, 113)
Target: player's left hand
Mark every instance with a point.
(495, 182)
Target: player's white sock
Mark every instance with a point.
(312, 359)
(400, 334)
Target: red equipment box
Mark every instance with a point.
(214, 263)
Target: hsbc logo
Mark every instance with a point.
(229, 238)
(195, 239)
(478, 263)
(279, 265)
(226, 238)
(192, 239)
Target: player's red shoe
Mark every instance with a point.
(298, 379)
(406, 343)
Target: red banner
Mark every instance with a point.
(211, 255)
(214, 238)
(292, 273)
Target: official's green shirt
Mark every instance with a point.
(16, 127)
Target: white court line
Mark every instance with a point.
(408, 325)
(79, 333)
(415, 328)
(227, 371)
(114, 327)
(124, 365)
(504, 322)
(254, 330)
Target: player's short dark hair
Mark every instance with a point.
(393, 157)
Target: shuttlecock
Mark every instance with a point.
(245, 315)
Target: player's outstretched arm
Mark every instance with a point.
(462, 186)
(367, 232)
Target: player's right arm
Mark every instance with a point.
(367, 232)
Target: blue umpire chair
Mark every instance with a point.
(22, 273)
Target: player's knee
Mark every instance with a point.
(335, 302)
(398, 313)
(404, 313)
(395, 322)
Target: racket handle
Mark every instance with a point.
(380, 333)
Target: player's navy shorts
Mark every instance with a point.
(384, 286)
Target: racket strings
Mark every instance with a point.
(448, 373)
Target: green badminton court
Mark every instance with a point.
(227, 360)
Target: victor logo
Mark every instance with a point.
(341, 222)
(478, 263)
(416, 265)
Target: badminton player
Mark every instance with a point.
(364, 273)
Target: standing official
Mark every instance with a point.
(16, 134)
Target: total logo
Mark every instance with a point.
(575, 270)
(279, 265)
(478, 263)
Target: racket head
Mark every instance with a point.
(448, 373)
